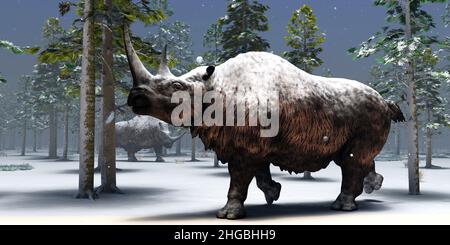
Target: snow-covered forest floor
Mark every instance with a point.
(182, 192)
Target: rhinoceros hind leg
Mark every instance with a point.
(372, 181)
(241, 174)
(352, 186)
(234, 209)
(265, 182)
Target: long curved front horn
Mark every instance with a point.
(175, 138)
(164, 64)
(138, 70)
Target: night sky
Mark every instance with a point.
(346, 23)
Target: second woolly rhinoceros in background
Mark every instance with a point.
(144, 132)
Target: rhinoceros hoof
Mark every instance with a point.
(344, 203)
(372, 181)
(272, 194)
(234, 209)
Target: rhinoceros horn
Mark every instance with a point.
(164, 70)
(175, 138)
(138, 71)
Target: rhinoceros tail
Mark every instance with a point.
(396, 113)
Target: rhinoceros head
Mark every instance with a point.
(151, 94)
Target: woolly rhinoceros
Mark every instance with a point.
(144, 132)
(320, 120)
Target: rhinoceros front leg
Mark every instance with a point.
(241, 174)
(159, 153)
(265, 182)
(131, 156)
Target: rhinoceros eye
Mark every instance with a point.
(177, 86)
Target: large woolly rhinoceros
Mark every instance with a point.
(320, 120)
(144, 132)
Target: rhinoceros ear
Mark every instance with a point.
(209, 72)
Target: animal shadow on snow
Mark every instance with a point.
(65, 198)
(299, 178)
(435, 167)
(263, 211)
(139, 161)
(38, 158)
(224, 173)
(401, 195)
(212, 167)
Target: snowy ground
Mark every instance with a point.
(181, 192)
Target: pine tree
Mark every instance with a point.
(177, 37)
(431, 104)
(305, 43)
(409, 26)
(304, 40)
(23, 115)
(16, 50)
(387, 80)
(244, 21)
(212, 41)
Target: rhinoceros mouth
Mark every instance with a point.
(140, 104)
(140, 101)
(140, 110)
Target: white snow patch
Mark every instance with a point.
(169, 193)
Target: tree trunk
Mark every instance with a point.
(307, 175)
(397, 139)
(78, 143)
(108, 134)
(66, 132)
(24, 138)
(428, 136)
(39, 146)
(34, 139)
(87, 105)
(100, 141)
(12, 141)
(52, 143)
(193, 158)
(178, 148)
(413, 131)
(429, 151)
